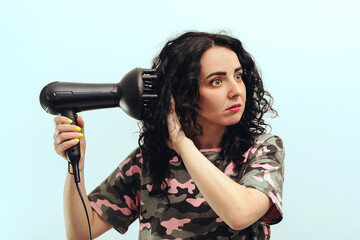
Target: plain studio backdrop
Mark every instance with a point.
(308, 53)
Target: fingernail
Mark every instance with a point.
(81, 135)
(69, 120)
(77, 140)
(78, 129)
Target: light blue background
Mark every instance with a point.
(308, 52)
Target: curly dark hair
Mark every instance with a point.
(178, 70)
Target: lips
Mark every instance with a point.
(234, 108)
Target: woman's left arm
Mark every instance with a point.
(236, 205)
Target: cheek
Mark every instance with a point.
(204, 104)
(208, 103)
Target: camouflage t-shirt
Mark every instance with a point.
(124, 196)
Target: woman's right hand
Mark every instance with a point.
(67, 135)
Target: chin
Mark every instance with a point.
(223, 121)
(231, 122)
(234, 119)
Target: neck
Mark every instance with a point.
(211, 137)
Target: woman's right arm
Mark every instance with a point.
(67, 135)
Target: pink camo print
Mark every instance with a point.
(144, 225)
(141, 160)
(253, 150)
(219, 220)
(97, 206)
(265, 228)
(267, 177)
(120, 175)
(265, 149)
(121, 166)
(174, 184)
(264, 166)
(196, 202)
(258, 178)
(174, 224)
(130, 203)
(210, 150)
(175, 159)
(259, 153)
(229, 169)
(246, 155)
(132, 170)
(275, 199)
(124, 163)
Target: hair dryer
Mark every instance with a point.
(131, 94)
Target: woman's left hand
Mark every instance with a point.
(176, 133)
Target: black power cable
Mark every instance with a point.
(83, 202)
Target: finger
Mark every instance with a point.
(172, 107)
(67, 128)
(65, 136)
(172, 101)
(61, 148)
(173, 120)
(62, 120)
(81, 123)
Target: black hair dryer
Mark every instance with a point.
(131, 94)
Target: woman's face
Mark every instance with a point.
(222, 91)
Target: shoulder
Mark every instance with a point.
(267, 146)
(269, 139)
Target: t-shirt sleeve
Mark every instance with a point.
(117, 198)
(265, 172)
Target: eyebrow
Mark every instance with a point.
(223, 73)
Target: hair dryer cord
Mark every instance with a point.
(87, 216)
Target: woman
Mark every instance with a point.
(205, 168)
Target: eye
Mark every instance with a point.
(216, 82)
(238, 75)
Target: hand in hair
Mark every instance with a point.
(176, 133)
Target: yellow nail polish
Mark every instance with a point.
(77, 140)
(69, 120)
(78, 129)
(81, 135)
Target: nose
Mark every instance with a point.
(234, 88)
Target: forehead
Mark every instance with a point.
(218, 59)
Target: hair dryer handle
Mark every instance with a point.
(73, 154)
